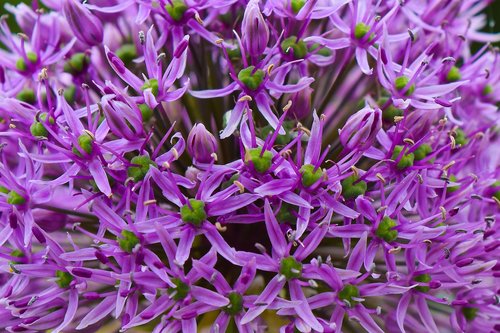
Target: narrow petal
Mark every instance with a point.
(273, 229)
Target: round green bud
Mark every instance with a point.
(85, 142)
(425, 278)
(140, 167)
(77, 63)
(63, 279)
(146, 112)
(401, 82)
(235, 304)
(260, 161)
(405, 161)
(280, 139)
(194, 212)
(460, 137)
(451, 189)
(37, 129)
(322, 51)
(70, 93)
(153, 84)
(453, 74)
(251, 78)
(21, 63)
(297, 5)
(4, 190)
(298, 47)
(488, 89)
(176, 9)
(127, 53)
(351, 190)
(180, 291)
(422, 151)
(385, 229)
(16, 254)
(348, 292)
(234, 53)
(496, 185)
(290, 268)
(309, 175)
(469, 313)
(360, 31)
(27, 96)
(15, 198)
(128, 241)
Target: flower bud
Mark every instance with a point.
(85, 25)
(361, 129)
(255, 30)
(201, 144)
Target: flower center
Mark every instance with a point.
(63, 279)
(260, 161)
(347, 293)
(297, 46)
(27, 96)
(309, 175)
(351, 190)
(140, 167)
(469, 313)
(153, 84)
(85, 143)
(128, 241)
(385, 230)
(176, 9)
(235, 303)
(194, 212)
(453, 74)
(77, 63)
(15, 198)
(21, 63)
(360, 31)
(401, 82)
(425, 278)
(297, 5)
(290, 268)
(405, 161)
(250, 78)
(422, 151)
(180, 291)
(127, 53)
(146, 112)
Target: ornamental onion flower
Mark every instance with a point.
(249, 166)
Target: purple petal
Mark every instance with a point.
(215, 92)
(209, 297)
(273, 229)
(303, 310)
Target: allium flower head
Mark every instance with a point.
(249, 166)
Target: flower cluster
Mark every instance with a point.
(251, 166)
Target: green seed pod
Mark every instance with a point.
(176, 9)
(309, 176)
(128, 241)
(351, 190)
(298, 47)
(260, 163)
(385, 229)
(405, 161)
(251, 79)
(153, 84)
(141, 167)
(348, 292)
(290, 268)
(63, 279)
(425, 278)
(422, 151)
(401, 82)
(453, 74)
(15, 198)
(194, 212)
